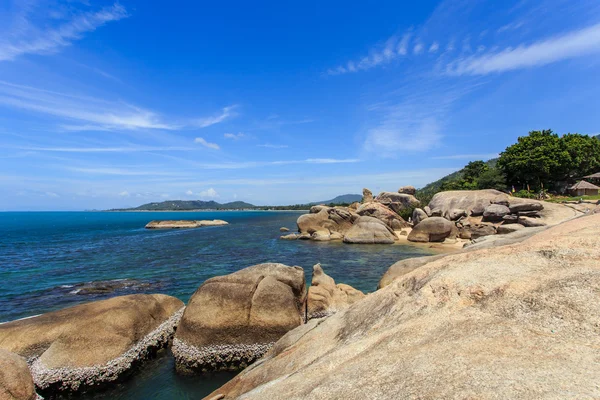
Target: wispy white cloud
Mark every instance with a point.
(485, 156)
(124, 193)
(85, 113)
(435, 46)
(30, 39)
(234, 136)
(393, 48)
(569, 45)
(226, 112)
(204, 143)
(209, 194)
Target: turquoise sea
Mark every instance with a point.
(46, 256)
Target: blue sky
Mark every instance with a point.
(110, 104)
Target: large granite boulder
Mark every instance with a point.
(326, 219)
(468, 200)
(232, 320)
(397, 201)
(16, 382)
(369, 230)
(93, 343)
(418, 215)
(407, 190)
(432, 229)
(382, 213)
(455, 214)
(513, 322)
(495, 212)
(326, 298)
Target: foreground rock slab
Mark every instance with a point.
(181, 224)
(233, 320)
(16, 382)
(326, 298)
(514, 322)
(94, 343)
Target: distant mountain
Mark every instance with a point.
(597, 137)
(342, 199)
(187, 205)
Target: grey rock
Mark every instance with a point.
(418, 215)
(495, 212)
(519, 207)
(407, 190)
(432, 229)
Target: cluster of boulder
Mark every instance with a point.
(473, 214)
(229, 322)
(184, 224)
(374, 220)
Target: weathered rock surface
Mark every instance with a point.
(369, 230)
(404, 267)
(326, 219)
(397, 201)
(467, 200)
(514, 322)
(382, 213)
(184, 224)
(481, 230)
(367, 196)
(531, 222)
(495, 212)
(510, 228)
(291, 236)
(455, 214)
(16, 382)
(418, 215)
(232, 320)
(526, 206)
(93, 343)
(407, 190)
(432, 229)
(326, 298)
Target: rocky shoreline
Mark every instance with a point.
(266, 312)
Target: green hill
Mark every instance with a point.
(342, 199)
(188, 205)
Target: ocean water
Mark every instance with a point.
(46, 257)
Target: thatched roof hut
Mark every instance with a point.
(583, 188)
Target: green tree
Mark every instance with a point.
(493, 178)
(584, 154)
(536, 159)
(473, 170)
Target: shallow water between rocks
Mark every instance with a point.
(47, 257)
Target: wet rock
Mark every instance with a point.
(94, 343)
(232, 320)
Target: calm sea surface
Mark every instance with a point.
(46, 256)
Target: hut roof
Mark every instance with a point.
(584, 185)
(593, 176)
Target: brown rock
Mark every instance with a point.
(432, 229)
(367, 196)
(16, 382)
(514, 322)
(369, 230)
(102, 338)
(531, 222)
(525, 206)
(495, 212)
(405, 266)
(468, 200)
(326, 298)
(455, 214)
(283, 229)
(418, 215)
(407, 190)
(382, 213)
(232, 320)
(397, 201)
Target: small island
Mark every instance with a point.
(184, 224)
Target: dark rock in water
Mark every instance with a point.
(106, 287)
